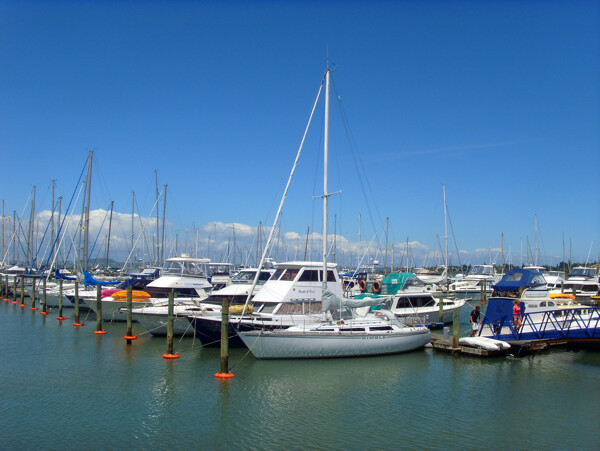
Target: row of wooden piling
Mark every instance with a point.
(129, 337)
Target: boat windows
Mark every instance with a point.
(352, 329)
(416, 301)
(264, 307)
(380, 328)
(289, 274)
(413, 282)
(330, 276)
(300, 308)
(582, 272)
(309, 275)
(481, 270)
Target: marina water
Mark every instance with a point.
(63, 387)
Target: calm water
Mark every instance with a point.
(64, 387)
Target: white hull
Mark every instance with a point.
(112, 310)
(306, 345)
(154, 320)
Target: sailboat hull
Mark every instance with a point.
(299, 345)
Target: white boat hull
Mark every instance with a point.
(298, 345)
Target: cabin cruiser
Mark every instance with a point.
(406, 295)
(584, 283)
(185, 275)
(546, 311)
(291, 296)
(219, 274)
(154, 317)
(474, 281)
(554, 279)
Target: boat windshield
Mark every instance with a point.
(184, 268)
(413, 282)
(248, 276)
(481, 270)
(219, 268)
(582, 272)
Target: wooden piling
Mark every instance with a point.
(22, 304)
(60, 301)
(455, 329)
(99, 330)
(129, 335)
(14, 291)
(170, 354)
(44, 306)
(77, 323)
(224, 373)
(33, 307)
(441, 317)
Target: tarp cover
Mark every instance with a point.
(518, 278)
(58, 275)
(89, 280)
(331, 301)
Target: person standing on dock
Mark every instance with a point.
(474, 317)
(517, 315)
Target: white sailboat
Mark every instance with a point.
(375, 334)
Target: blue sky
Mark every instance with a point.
(498, 100)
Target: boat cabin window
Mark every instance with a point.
(264, 307)
(538, 280)
(352, 329)
(377, 328)
(416, 301)
(219, 268)
(248, 276)
(289, 274)
(481, 270)
(330, 276)
(513, 277)
(300, 308)
(413, 282)
(309, 275)
(585, 272)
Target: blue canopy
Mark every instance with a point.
(58, 275)
(89, 280)
(518, 278)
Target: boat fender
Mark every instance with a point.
(377, 286)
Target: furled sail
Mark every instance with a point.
(331, 301)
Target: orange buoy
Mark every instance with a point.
(60, 318)
(22, 305)
(77, 324)
(99, 332)
(33, 308)
(171, 356)
(44, 313)
(224, 375)
(130, 337)
(15, 302)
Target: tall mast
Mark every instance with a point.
(157, 219)
(387, 227)
(535, 258)
(3, 231)
(86, 224)
(30, 233)
(112, 202)
(162, 245)
(132, 219)
(445, 227)
(52, 215)
(59, 213)
(14, 239)
(325, 169)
